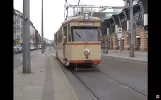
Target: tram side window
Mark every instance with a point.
(55, 39)
(59, 37)
(69, 34)
(65, 32)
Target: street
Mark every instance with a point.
(96, 51)
(132, 74)
(100, 84)
(18, 58)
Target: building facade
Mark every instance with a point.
(32, 35)
(37, 38)
(18, 30)
(121, 20)
(17, 27)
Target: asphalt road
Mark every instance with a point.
(130, 72)
(18, 58)
(106, 88)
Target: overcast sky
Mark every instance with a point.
(54, 12)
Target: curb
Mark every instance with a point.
(125, 59)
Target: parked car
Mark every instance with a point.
(20, 49)
(17, 49)
(39, 46)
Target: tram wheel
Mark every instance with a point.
(70, 67)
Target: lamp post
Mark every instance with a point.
(129, 4)
(131, 29)
(42, 32)
(26, 36)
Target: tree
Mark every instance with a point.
(44, 43)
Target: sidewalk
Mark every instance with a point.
(46, 82)
(138, 55)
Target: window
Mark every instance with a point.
(14, 31)
(85, 34)
(59, 36)
(65, 32)
(18, 28)
(21, 29)
(69, 34)
(21, 23)
(18, 22)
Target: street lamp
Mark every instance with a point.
(26, 36)
(130, 7)
(42, 34)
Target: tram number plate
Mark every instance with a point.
(86, 24)
(87, 61)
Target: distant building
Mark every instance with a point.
(32, 34)
(18, 28)
(37, 38)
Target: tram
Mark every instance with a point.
(77, 41)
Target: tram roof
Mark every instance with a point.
(79, 18)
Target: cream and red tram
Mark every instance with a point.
(77, 41)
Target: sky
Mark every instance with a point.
(54, 12)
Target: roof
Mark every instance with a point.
(80, 18)
(121, 15)
(136, 8)
(115, 18)
(100, 15)
(18, 13)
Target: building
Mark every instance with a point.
(37, 38)
(18, 26)
(18, 29)
(45, 40)
(109, 29)
(32, 35)
(40, 39)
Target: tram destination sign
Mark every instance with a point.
(86, 24)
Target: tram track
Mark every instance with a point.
(95, 97)
(90, 91)
(126, 84)
(80, 80)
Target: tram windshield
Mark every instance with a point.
(85, 34)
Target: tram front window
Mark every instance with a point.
(90, 34)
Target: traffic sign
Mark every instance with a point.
(119, 35)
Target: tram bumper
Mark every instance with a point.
(85, 61)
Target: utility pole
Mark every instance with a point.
(26, 37)
(131, 29)
(42, 32)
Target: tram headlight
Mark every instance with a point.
(86, 52)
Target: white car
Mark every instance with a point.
(31, 48)
(17, 49)
(39, 46)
